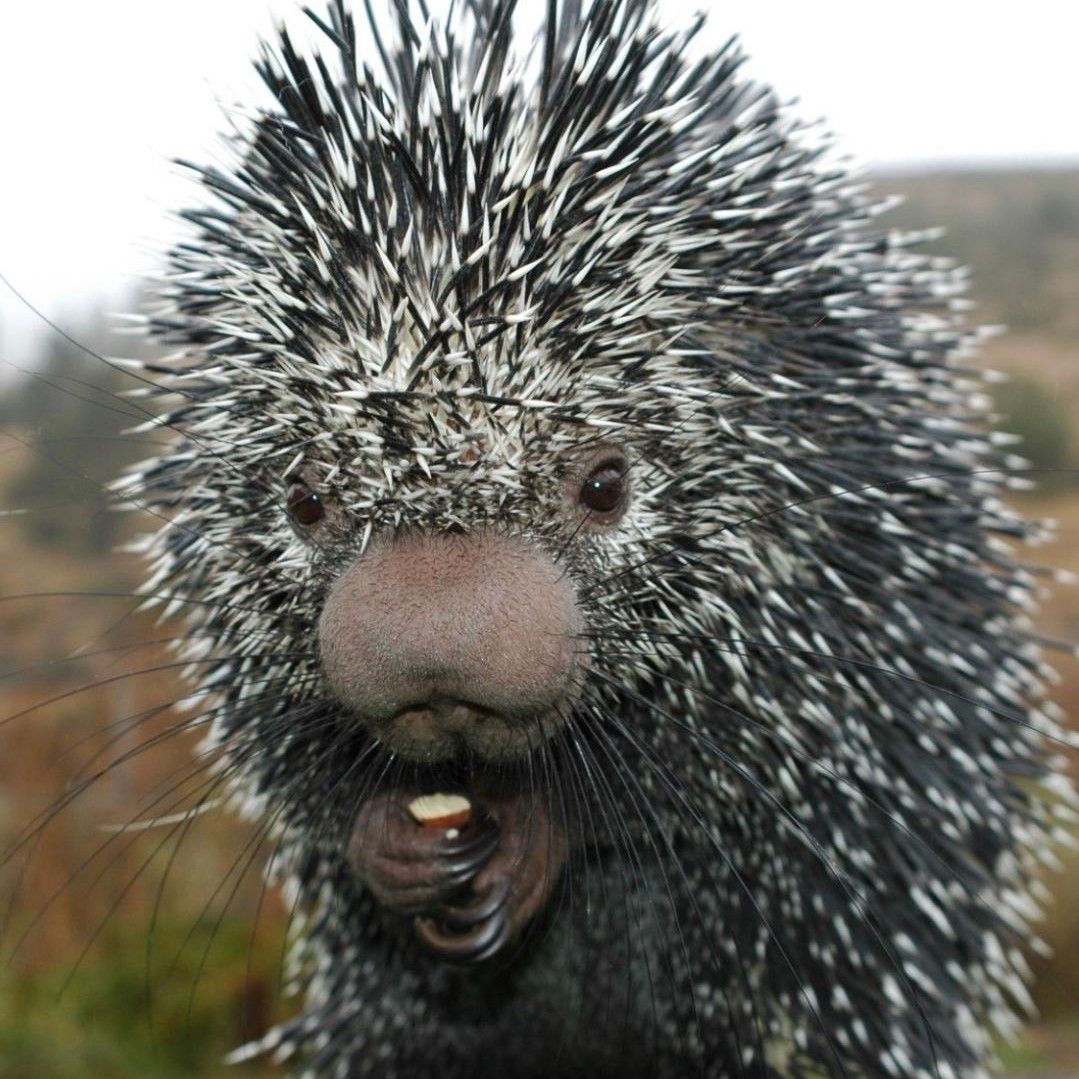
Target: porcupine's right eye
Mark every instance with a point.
(303, 506)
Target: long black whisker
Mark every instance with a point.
(620, 768)
(859, 902)
(639, 798)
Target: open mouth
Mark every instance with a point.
(444, 729)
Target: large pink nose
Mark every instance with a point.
(444, 641)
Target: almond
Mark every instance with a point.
(441, 810)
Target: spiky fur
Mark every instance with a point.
(805, 768)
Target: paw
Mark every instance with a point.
(469, 931)
(506, 893)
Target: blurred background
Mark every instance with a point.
(150, 953)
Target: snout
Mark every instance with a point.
(443, 644)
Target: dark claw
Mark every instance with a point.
(467, 948)
(460, 917)
(463, 857)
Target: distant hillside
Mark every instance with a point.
(1019, 233)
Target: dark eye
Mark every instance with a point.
(604, 491)
(303, 505)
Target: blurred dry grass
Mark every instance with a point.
(212, 974)
(120, 954)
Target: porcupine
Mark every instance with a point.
(558, 426)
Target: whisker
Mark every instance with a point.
(113, 679)
(858, 901)
(654, 835)
(618, 767)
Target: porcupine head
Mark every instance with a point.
(557, 431)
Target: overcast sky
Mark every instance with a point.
(96, 97)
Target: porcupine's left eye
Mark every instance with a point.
(303, 505)
(604, 490)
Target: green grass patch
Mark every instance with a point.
(109, 1019)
